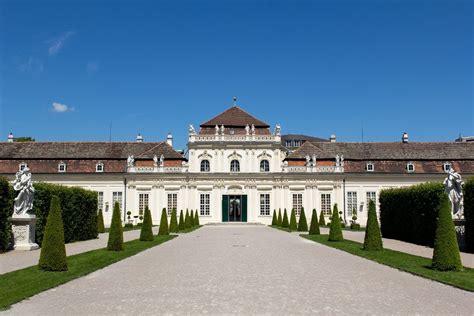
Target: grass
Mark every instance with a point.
(282, 228)
(21, 284)
(188, 230)
(402, 261)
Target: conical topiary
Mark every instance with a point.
(146, 234)
(53, 251)
(302, 224)
(373, 238)
(181, 221)
(279, 219)
(322, 221)
(293, 223)
(187, 220)
(174, 228)
(196, 219)
(285, 223)
(314, 228)
(163, 229)
(115, 241)
(335, 229)
(100, 222)
(274, 219)
(446, 255)
(191, 218)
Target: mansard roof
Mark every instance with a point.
(234, 117)
(386, 151)
(86, 150)
(301, 137)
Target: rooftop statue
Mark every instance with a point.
(155, 161)
(130, 161)
(24, 200)
(192, 131)
(453, 186)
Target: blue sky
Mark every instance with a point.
(69, 68)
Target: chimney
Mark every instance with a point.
(405, 138)
(139, 138)
(10, 138)
(332, 138)
(169, 139)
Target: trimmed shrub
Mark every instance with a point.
(285, 223)
(279, 219)
(302, 224)
(115, 242)
(128, 225)
(100, 222)
(355, 226)
(335, 229)
(181, 225)
(469, 213)
(163, 229)
(293, 223)
(53, 250)
(446, 255)
(373, 238)
(146, 234)
(274, 219)
(187, 220)
(191, 218)
(409, 214)
(314, 227)
(196, 219)
(322, 221)
(6, 211)
(174, 226)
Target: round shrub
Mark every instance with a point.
(115, 242)
(302, 224)
(373, 237)
(335, 229)
(314, 227)
(146, 233)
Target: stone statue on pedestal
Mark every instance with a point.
(130, 161)
(453, 187)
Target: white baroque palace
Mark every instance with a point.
(237, 169)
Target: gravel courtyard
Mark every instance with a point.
(246, 269)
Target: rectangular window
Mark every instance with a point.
(142, 202)
(297, 203)
(264, 204)
(205, 204)
(117, 197)
(172, 202)
(100, 201)
(371, 195)
(326, 203)
(351, 203)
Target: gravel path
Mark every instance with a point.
(247, 270)
(15, 260)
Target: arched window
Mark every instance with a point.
(234, 166)
(99, 167)
(264, 166)
(205, 166)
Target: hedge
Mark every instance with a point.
(469, 213)
(410, 214)
(6, 211)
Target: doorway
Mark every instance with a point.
(234, 208)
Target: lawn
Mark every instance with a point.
(18, 285)
(402, 261)
(188, 230)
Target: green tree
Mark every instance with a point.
(174, 226)
(279, 219)
(146, 233)
(335, 229)
(53, 250)
(100, 222)
(446, 255)
(285, 223)
(293, 223)
(322, 221)
(302, 224)
(115, 242)
(196, 219)
(24, 139)
(6, 210)
(274, 219)
(181, 225)
(314, 228)
(191, 218)
(163, 229)
(187, 220)
(373, 237)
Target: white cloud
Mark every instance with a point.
(33, 65)
(58, 43)
(61, 108)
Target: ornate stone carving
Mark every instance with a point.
(453, 186)
(24, 200)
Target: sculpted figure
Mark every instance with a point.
(24, 200)
(314, 160)
(130, 161)
(191, 129)
(253, 129)
(222, 129)
(338, 160)
(155, 161)
(278, 130)
(308, 161)
(342, 161)
(217, 129)
(247, 129)
(162, 160)
(453, 187)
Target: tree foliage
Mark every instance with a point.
(335, 229)
(373, 237)
(314, 227)
(115, 241)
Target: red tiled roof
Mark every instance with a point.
(234, 117)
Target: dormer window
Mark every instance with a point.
(205, 166)
(61, 167)
(410, 167)
(22, 166)
(99, 167)
(370, 167)
(234, 166)
(288, 143)
(264, 166)
(447, 166)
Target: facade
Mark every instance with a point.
(238, 169)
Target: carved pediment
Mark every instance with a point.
(234, 155)
(205, 155)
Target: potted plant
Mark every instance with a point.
(128, 217)
(354, 224)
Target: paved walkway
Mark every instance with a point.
(417, 250)
(247, 270)
(15, 260)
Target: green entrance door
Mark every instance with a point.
(234, 208)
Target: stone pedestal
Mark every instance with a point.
(24, 232)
